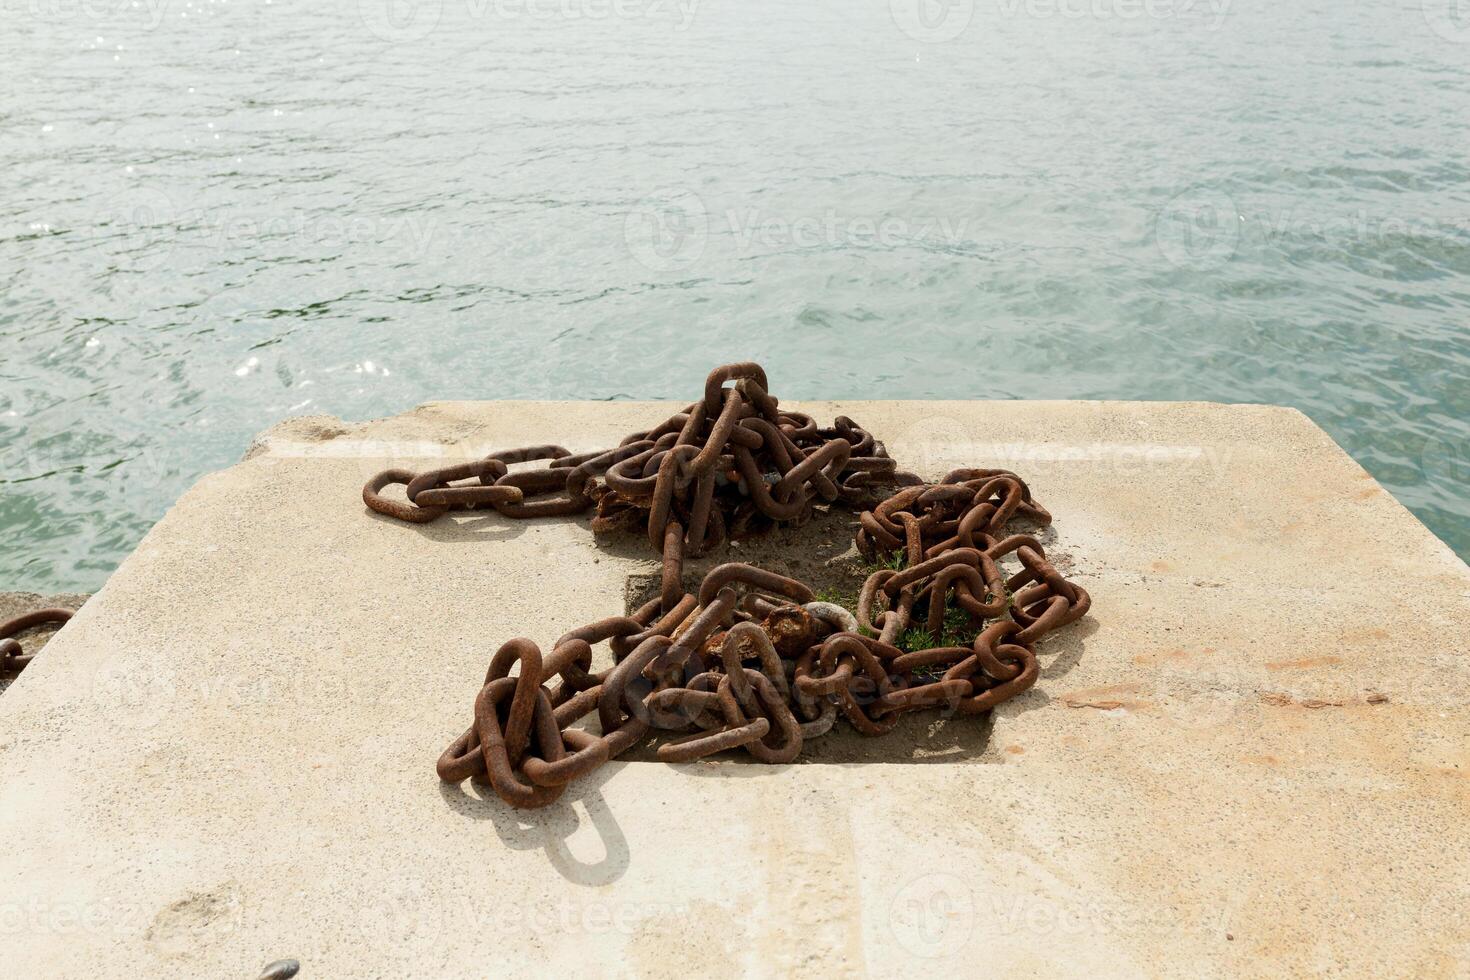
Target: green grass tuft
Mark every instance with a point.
(890, 560)
(957, 630)
(839, 597)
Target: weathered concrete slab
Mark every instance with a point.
(1255, 759)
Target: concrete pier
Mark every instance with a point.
(1252, 758)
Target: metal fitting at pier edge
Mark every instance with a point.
(14, 659)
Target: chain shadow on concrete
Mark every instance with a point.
(550, 827)
(474, 525)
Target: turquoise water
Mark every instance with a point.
(219, 214)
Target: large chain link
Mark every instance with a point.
(751, 660)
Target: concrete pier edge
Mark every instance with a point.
(1252, 758)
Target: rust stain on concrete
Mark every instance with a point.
(1304, 663)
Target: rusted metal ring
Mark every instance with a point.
(372, 495)
(733, 572)
(13, 659)
(730, 372)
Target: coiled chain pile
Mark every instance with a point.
(752, 660)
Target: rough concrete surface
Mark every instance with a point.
(1252, 759)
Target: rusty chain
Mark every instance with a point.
(752, 660)
(13, 659)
